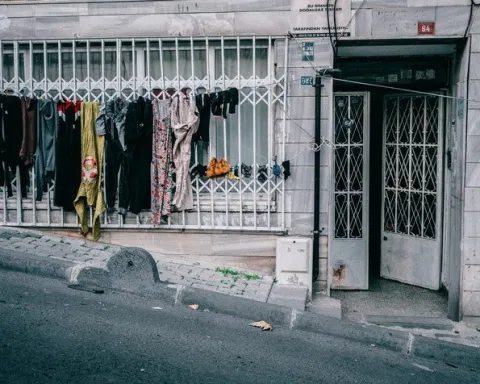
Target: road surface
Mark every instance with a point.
(50, 333)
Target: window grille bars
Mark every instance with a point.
(100, 70)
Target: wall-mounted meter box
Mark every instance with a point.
(294, 261)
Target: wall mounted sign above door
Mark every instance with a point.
(308, 18)
(426, 28)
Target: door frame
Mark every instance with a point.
(440, 180)
(366, 190)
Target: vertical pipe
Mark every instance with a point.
(410, 150)
(74, 71)
(424, 160)
(15, 67)
(270, 130)
(149, 77)
(254, 49)
(397, 149)
(213, 138)
(34, 205)
(239, 132)
(349, 167)
(17, 89)
(89, 86)
(102, 69)
(225, 149)
(60, 97)
(3, 134)
(134, 69)
(285, 82)
(316, 170)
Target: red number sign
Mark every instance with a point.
(426, 28)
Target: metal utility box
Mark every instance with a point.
(294, 262)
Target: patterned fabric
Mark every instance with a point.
(90, 193)
(162, 161)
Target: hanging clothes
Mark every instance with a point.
(90, 193)
(46, 136)
(68, 157)
(185, 121)
(204, 109)
(162, 162)
(29, 125)
(135, 178)
(11, 143)
(110, 123)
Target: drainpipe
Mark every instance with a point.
(318, 139)
(316, 195)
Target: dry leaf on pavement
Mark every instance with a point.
(263, 325)
(194, 306)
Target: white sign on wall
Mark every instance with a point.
(308, 18)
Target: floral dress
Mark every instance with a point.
(162, 162)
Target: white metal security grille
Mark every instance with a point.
(411, 165)
(349, 166)
(100, 70)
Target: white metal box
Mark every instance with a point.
(294, 261)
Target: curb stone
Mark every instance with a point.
(134, 270)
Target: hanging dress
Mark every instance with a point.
(162, 162)
(185, 122)
(90, 193)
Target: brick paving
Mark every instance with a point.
(247, 285)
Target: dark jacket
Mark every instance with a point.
(68, 158)
(11, 135)
(135, 178)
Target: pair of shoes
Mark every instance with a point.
(198, 170)
(218, 168)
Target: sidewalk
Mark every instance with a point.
(80, 252)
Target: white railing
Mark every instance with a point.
(101, 70)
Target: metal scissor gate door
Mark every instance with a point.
(349, 237)
(412, 190)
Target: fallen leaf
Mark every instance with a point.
(263, 325)
(194, 306)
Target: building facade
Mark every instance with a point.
(399, 190)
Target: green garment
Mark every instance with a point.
(90, 193)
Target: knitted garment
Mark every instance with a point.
(90, 193)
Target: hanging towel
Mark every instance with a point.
(162, 161)
(185, 121)
(90, 193)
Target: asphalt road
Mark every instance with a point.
(52, 334)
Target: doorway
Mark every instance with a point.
(387, 189)
(392, 265)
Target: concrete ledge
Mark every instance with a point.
(411, 322)
(380, 337)
(451, 353)
(236, 306)
(29, 263)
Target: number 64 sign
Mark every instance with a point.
(425, 28)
